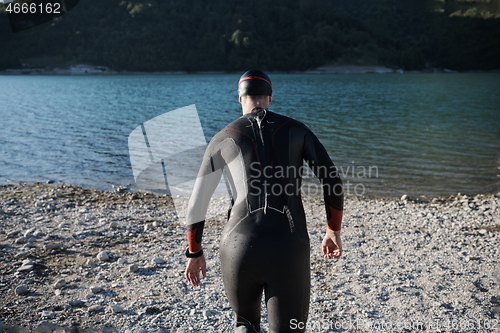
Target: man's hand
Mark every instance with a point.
(332, 244)
(193, 270)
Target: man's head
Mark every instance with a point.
(254, 83)
(254, 90)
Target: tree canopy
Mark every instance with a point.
(283, 35)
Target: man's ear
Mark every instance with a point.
(240, 99)
(270, 99)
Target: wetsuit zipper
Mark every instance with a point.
(263, 149)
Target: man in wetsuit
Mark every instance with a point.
(264, 245)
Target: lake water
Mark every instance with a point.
(390, 134)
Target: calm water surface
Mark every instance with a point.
(416, 134)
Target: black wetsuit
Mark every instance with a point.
(265, 243)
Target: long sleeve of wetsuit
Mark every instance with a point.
(206, 182)
(318, 160)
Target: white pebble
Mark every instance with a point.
(103, 256)
(158, 261)
(13, 233)
(27, 262)
(116, 308)
(122, 261)
(21, 290)
(209, 313)
(20, 254)
(29, 232)
(59, 284)
(91, 263)
(25, 268)
(53, 246)
(48, 314)
(21, 240)
(95, 308)
(95, 289)
(76, 303)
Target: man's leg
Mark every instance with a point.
(288, 285)
(246, 306)
(243, 288)
(288, 303)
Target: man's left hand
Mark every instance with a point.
(193, 267)
(332, 244)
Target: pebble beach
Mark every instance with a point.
(75, 259)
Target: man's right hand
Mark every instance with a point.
(193, 267)
(332, 244)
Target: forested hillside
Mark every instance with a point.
(233, 35)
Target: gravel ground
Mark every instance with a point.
(82, 260)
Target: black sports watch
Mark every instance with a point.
(194, 255)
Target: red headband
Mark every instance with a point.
(254, 77)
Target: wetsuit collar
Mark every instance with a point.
(259, 113)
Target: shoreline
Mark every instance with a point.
(342, 69)
(70, 253)
(128, 188)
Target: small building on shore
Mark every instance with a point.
(88, 69)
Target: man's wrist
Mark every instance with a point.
(194, 254)
(335, 232)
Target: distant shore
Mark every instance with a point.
(345, 69)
